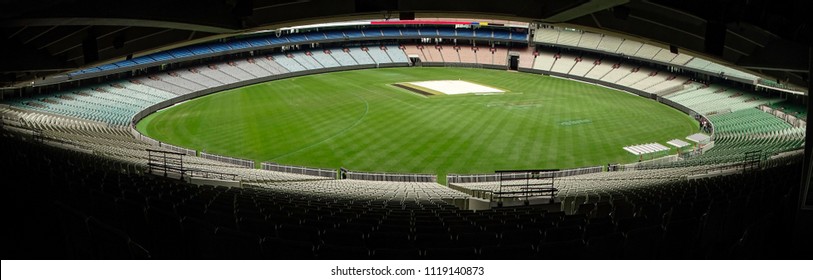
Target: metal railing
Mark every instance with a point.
(327, 173)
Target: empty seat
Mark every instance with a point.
(433, 240)
(298, 233)
(380, 239)
(563, 250)
(234, 244)
(563, 234)
(642, 243)
(605, 247)
(340, 237)
(514, 237)
(108, 242)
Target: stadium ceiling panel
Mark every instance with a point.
(58, 36)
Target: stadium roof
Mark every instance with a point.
(58, 36)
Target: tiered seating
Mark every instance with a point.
(362, 57)
(467, 55)
(156, 82)
(213, 72)
(484, 56)
(748, 130)
(235, 70)
(397, 54)
(325, 60)
(449, 54)
(307, 61)
(635, 77)
(546, 35)
(676, 83)
(415, 50)
(269, 64)
(569, 38)
(646, 214)
(648, 51)
(342, 57)
(590, 40)
(564, 64)
(790, 108)
(120, 90)
(609, 43)
(526, 58)
(500, 56)
(432, 54)
(182, 81)
(629, 47)
(650, 81)
(681, 59)
(599, 70)
(251, 66)
(288, 63)
(113, 211)
(544, 61)
(664, 55)
(379, 55)
(583, 67)
(617, 74)
(699, 63)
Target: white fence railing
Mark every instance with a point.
(327, 173)
(236, 161)
(795, 121)
(391, 177)
(475, 178)
(188, 152)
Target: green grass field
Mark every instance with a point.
(358, 120)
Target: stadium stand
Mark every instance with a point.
(569, 38)
(544, 61)
(289, 63)
(526, 58)
(564, 63)
(467, 55)
(485, 56)
(342, 57)
(664, 55)
(500, 56)
(618, 72)
(397, 54)
(546, 35)
(306, 60)
(450, 54)
(269, 64)
(584, 66)
(589, 40)
(629, 47)
(108, 214)
(648, 51)
(117, 209)
(609, 43)
(601, 69)
(635, 77)
(361, 56)
(379, 55)
(432, 53)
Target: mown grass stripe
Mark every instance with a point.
(309, 121)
